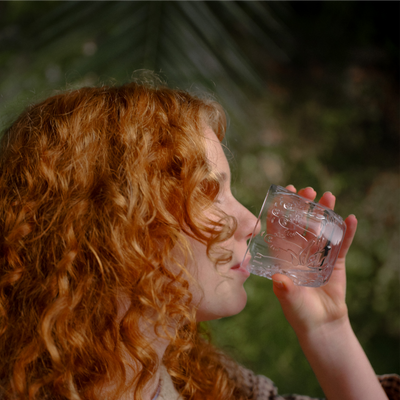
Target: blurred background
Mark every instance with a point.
(312, 94)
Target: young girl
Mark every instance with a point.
(119, 234)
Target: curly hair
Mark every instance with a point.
(98, 186)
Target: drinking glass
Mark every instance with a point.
(298, 238)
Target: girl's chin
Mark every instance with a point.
(232, 307)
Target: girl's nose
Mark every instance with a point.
(247, 224)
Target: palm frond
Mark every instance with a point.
(193, 44)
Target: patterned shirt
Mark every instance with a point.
(259, 387)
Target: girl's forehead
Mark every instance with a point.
(216, 155)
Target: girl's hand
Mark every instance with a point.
(309, 309)
(320, 319)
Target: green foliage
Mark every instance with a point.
(56, 45)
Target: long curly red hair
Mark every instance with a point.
(97, 187)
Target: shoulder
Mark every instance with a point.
(391, 385)
(259, 387)
(256, 386)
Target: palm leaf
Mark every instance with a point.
(193, 44)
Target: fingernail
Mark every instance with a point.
(278, 284)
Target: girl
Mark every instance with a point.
(119, 234)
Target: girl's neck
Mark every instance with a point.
(159, 345)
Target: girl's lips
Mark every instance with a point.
(245, 262)
(242, 267)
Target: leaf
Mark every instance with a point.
(192, 43)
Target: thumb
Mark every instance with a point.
(286, 291)
(292, 300)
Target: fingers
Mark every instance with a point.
(291, 188)
(351, 223)
(309, 193)
(327, 199)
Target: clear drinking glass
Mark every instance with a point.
(298, 238)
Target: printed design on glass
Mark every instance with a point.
(295, 233)
(298, 238)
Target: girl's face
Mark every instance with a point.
(221, 291)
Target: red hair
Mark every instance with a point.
(97, 187)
